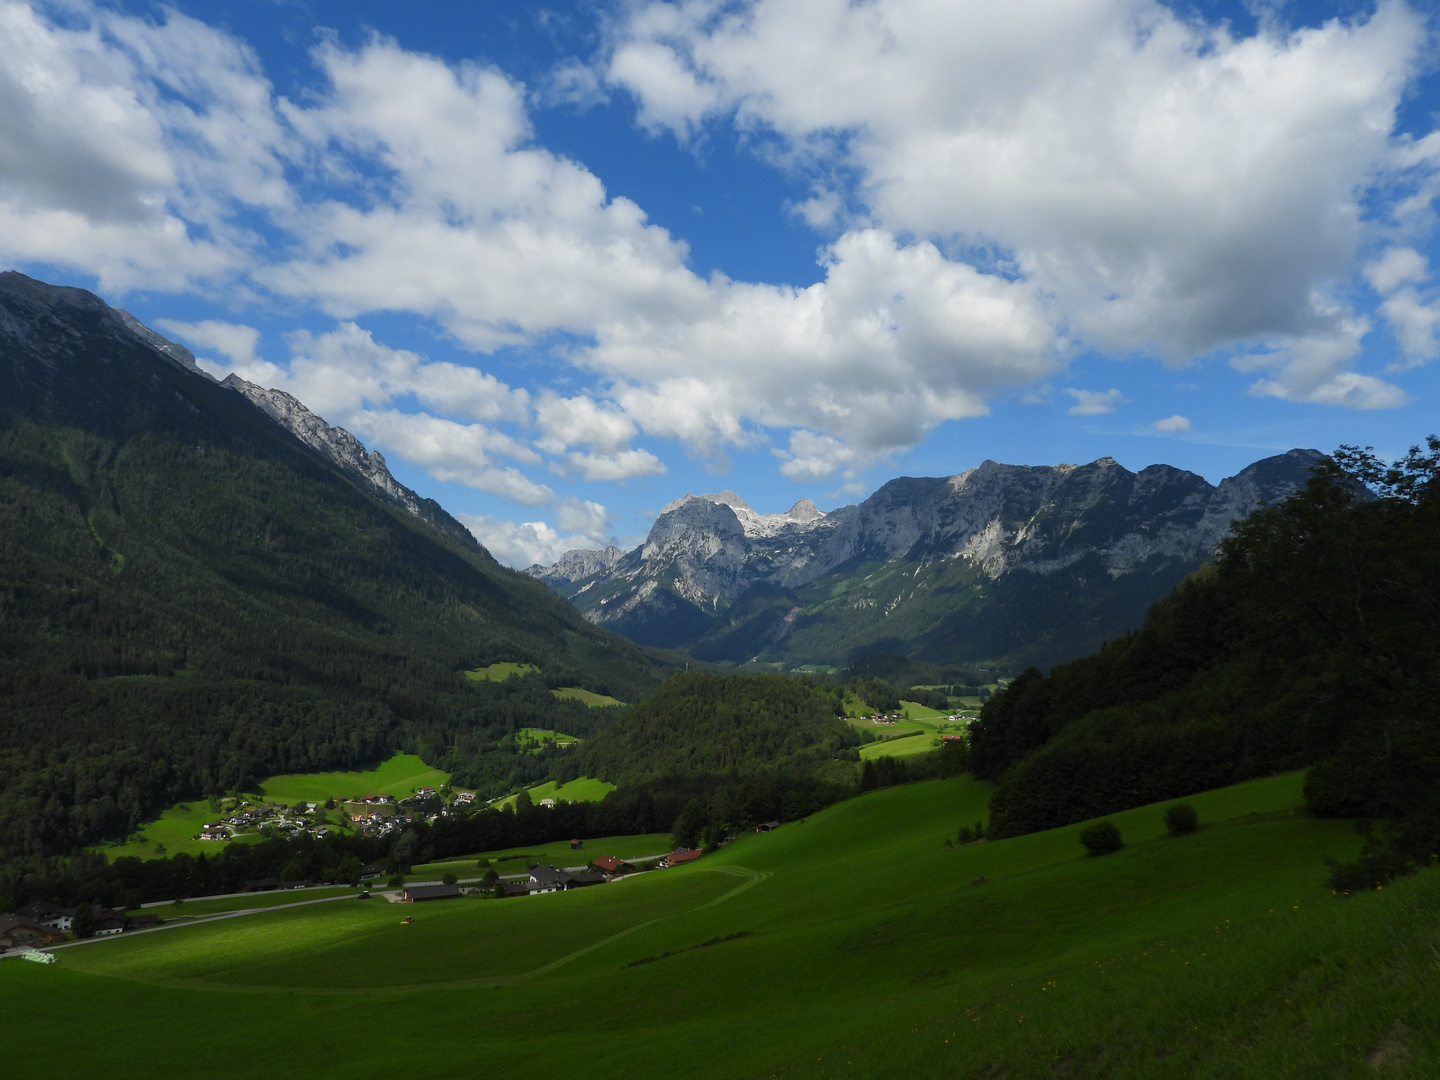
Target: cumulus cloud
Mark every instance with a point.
(1094, 402)
(235, 341)
(1315, 370)
(1174, 423)
(1174, 189)
(128, 147)
(524, 544)
(812, 457)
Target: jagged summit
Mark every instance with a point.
(1017, 562)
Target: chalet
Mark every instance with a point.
(767, 826)
(50, 916)
(17, 932)
(417, 893)
(594, 877)
(548, 802)
(576, 845)
(517, 888)
(681, 855)
(108, 923)
(545, 879)
(952, 738)
(369, 872)
(610, 865)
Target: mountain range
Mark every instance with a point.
(1000, 564)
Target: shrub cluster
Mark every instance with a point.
(1101, 838)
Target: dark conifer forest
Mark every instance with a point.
(1313, 640)
(191, 599)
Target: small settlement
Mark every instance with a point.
(39, 924)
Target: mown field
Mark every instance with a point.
(856, 943)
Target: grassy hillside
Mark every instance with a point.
(856, 943)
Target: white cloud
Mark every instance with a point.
(1172, 423)
(128, 147)
(813, 458)
(1414, 322)
(524, 544)
(1314, 370)
(234, 341)
(1172, 188)
(582, 516)
(1094, 402)
(1398, 266)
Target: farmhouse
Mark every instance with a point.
(18, 932)
(50, 916)
(681, 855)
(416, 893)
(610, 865)
(545, 879)
(767, 826)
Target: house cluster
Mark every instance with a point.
(286, 820)
(39, 924)
(885, 719)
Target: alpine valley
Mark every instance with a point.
(1000, 565)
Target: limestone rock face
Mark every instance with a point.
(711, 562)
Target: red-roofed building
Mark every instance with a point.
(681, 855)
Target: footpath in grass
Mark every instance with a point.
(860, 942)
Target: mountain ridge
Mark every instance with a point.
(711, 579)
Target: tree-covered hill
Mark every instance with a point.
(722, 727)
(191, 598)
(1313, 640)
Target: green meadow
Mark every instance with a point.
(860, 942)
(398, 776)
(172, 832)
(500, 672)
(589, 697)
(581, 789)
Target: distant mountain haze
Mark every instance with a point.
(1006, 564)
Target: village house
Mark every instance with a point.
(680, 855)
(50, 916)
(609, 865)
(21, 933)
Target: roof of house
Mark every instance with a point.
(608, 863)
(548, 875)
(683, 855)
(432, 892)
(592, 878)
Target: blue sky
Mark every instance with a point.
(563, 263)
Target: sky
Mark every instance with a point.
(563, 263)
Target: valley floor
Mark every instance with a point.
(856, 943)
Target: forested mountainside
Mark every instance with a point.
(1002, 564)
(1314, 639)
(192, 597)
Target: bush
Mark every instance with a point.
(1181, 819)
(1101, 838)
(397, 881)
